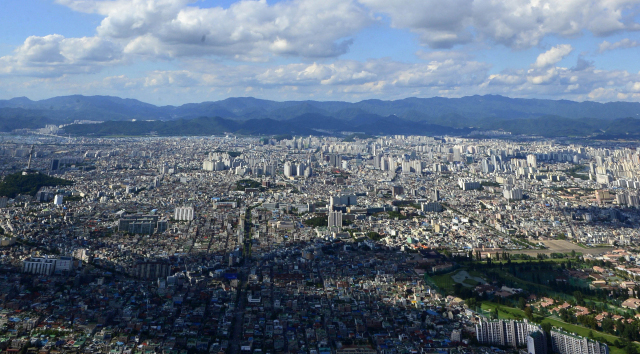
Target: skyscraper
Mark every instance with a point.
(289, 169)
(55, 163)
(335, 161)
(335, 219)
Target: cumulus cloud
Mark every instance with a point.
(247, 30)
(514, 23)
(205, 79)
(553, 56)
(545, 79)
(387, 79)
(56, 55)
(311, 35)
(625, 43)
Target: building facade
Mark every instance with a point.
(184, 214)
(566, 343)
(47, 265)
(505, 333)
(142, 224)
(335, 219)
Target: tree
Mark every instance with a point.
(522, 303)
(528, 312)
(546, 327)
(472, 303)
(608, 326)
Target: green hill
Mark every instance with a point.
(16, 183)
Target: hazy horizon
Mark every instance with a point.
(305, 100)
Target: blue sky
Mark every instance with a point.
(180, 51)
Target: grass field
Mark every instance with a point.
(444, 281)
(507, 313)
(534, 260)
(471, 282)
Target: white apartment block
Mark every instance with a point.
(46, 265)
(505, 333)
(513, 193)
(184, 214)
(565, 343)
(468, 184)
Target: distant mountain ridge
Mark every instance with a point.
(419, 109)
(437, 114)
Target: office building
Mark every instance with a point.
(343, 200)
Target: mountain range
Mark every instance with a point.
(247, 115)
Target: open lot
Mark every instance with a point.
(561, 246)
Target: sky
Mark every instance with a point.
(182, 51)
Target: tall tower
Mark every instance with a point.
(335, 219)
(30, 156)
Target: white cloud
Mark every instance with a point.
(444, 55)
(625, 43)
(542, 78)
(204, 80)
(298, 43)
(247, 30)
(514, 23)
(54, 55)
(440, 24)
(553, 56)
